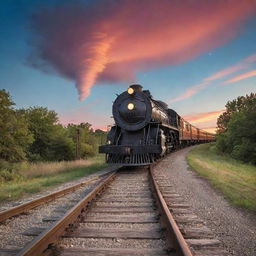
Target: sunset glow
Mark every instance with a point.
(243, 64)
(206, 121)
(74, 57)
(241, 77)
(203, 117)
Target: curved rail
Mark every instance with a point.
(172, 228)
(40, 245)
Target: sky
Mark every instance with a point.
(74, 57)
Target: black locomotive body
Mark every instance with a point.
(145, 129)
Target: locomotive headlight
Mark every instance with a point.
(130, 90)
(130, 106)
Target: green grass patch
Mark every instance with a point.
(235, 179)
(22, 184)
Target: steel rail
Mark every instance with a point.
(44, 199)
(177, 238)
(40, 244)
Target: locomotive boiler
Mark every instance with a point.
(145, 129)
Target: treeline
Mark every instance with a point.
(34, 134)
(237, 129)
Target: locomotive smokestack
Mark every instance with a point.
(136, 87)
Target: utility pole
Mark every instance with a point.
(78, 156)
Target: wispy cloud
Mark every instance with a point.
(206, 120)
(189, 92)
(211, 129)
(226, 71)
(250, 59)
(242, 64)
(203, 117)
(112, 40)
(240, 77)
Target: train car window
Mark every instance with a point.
(187, 127)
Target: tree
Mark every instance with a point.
(85, 145)
(242, 103)
(89, 140)
(61, 147)
(237, 135)
(35, 134)
(15, 137)
(50, 139)
(101, 136)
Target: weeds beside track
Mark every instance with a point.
(44, 175)
(235, 179)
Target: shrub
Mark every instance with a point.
(240, 138)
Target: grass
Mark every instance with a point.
(43, 175)
(31, 170)
(235, 179)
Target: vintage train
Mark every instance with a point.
(146, 130)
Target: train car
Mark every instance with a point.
(194, 134)
(146, 129)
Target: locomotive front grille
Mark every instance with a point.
(130, 149)
(133, 159)
(130, 155)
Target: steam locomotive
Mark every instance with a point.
(146, 130)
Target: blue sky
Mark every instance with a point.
(167, 80)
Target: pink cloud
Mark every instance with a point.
(206, 120)
(227, 71)
(113, 40)
(189, 92)
(203, 117)
(211, 129)
(250, 59)
(242, 64)
(240, 77)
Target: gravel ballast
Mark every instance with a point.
(11, 230)
(233, 226)
(48, 190)
(111, 224)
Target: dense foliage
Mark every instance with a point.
(237, 129)
(15, 136)
(34, 134)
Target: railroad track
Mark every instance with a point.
(25, 207)
(127, 213)
(17, 222)
(124, 214)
